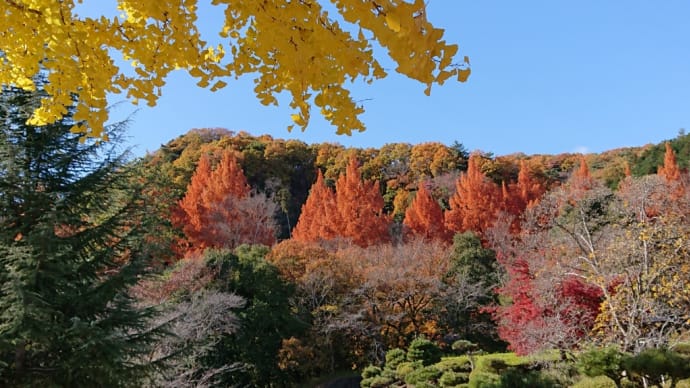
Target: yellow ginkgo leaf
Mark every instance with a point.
(464, 74)
(393, 21)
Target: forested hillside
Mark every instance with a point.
(372, 248)
(285, 170)
(225, 259)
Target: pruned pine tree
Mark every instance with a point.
(69, 251)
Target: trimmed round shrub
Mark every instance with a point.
(405, 368)
(485, 380)
(427, 374)
(453, 379)
(423, 350)
(394, 357)
(371, 371)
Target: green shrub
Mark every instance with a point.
(394, 357)
(405, 368)
(498, 361)
(516, 377)
(427, 374)
(455, 364)
(602, 362)
(421, 349)
(658, 365)
(464, 347)
(371, 371)
(485, 380)
(595, 382)
(453, 379)
(380, 382)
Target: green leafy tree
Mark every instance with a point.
(70, 248)
(470, 282)
(264, 322)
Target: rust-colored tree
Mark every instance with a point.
(520, 195)
(189, 213)
(219, 210)
(580, 181)
(670, 170)
(319, 217)
(476, 201)
(677, 186)
(424, 216)
(360, 207)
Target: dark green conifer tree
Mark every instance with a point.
(69, 251)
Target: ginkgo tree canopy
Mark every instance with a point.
(291, 46)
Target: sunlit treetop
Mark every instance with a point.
(288, 46)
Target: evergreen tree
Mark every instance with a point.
(69, 250)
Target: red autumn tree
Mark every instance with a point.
(544, 316)
(319, 217)
(523, 316)
(476, 201)
(424, 216)
(219, 209)
(360, 207)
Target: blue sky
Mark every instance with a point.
(547, 77)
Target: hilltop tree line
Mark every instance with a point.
(229, 259)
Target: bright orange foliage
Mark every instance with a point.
(360, 205)
(476, 202)
(227, 179)
(218, 210)
(669, 170)
(319, 218)
(190, 216)
(522, 194)
(424, 216)
(529, 189)
(580, 182)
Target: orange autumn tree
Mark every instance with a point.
(360, 206)
(522, 194)
(672, 174)
(219, 209)
(189, 215)
(581, 181)
(424, 216)
(319, 217)
(476, 202)
(670, 170)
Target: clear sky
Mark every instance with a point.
(547, 77)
